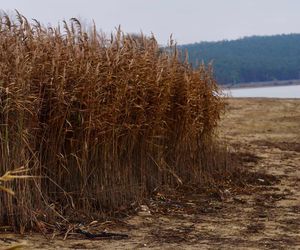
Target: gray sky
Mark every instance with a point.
(188, 20)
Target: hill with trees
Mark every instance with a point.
(250, 59)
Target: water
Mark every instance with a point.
(292, 91)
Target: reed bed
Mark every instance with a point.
(101, 122)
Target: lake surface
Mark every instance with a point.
(292, 91)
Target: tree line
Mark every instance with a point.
(250, 59)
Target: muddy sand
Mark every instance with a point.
(264, 134)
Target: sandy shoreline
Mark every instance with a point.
(265, 134)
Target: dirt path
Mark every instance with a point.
(265, 134)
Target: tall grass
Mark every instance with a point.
(102, 121)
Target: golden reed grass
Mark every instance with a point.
(102, 122)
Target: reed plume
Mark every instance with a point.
(102, 121)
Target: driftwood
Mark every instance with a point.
(102, 235)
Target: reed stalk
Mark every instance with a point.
(103, 121)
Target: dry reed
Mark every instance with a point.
(102, 121)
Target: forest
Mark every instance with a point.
(249, 59)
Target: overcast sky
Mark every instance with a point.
(188, 20)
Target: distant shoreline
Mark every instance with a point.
(261, 84)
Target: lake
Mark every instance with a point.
(292, 91)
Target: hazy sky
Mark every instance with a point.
(188, 20)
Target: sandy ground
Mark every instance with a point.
(265, 135)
